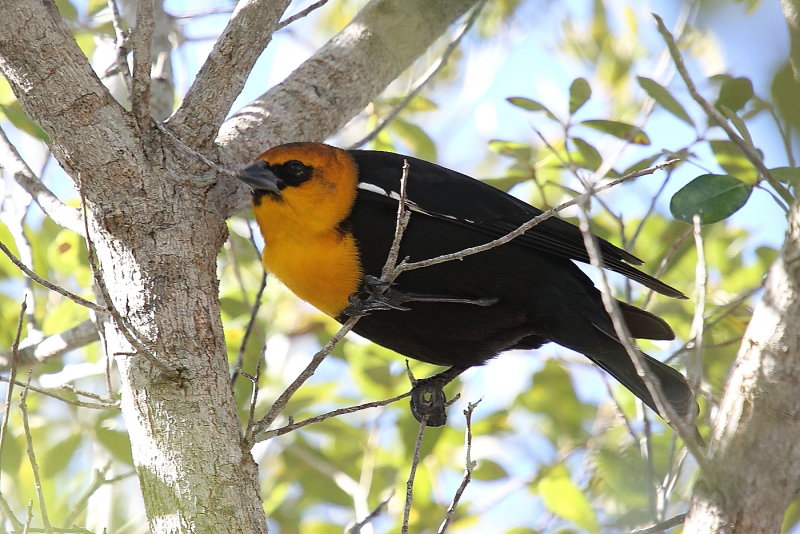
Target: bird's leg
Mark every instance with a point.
(378, 295)
(428, 399)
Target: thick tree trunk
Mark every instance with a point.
(157, 221)
(755, 450)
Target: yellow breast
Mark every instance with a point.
(322, 269)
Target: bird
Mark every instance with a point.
(328, 218)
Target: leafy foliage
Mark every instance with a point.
(548, 439)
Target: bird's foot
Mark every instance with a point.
(428, 401)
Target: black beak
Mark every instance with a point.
(261, 178)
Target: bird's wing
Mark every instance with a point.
(446, 194)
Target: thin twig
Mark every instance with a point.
(408, 266)
(61, 214)
(661, 527)
(99, 480)
(747, 149)
(102, 405)
(249, 329)
(451, 47)
(51, 286)
(121, 41)
(13, 375)
(695, 368)
(334, 413)
(192, 152)
(251, 415)
(653, 386)
(469, 466)
(412, 474)
(300, 14)
(378, 510)
(141, 44)
(37, 481)
(8, 513)
(287, 394)
(53, 346)
(123, 325)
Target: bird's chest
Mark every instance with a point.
(323, 270)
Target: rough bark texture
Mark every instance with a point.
(755, 450)
(157, 220)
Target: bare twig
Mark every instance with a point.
(249, 330)
(284, 397)
(121, 37)
(141, 42)
(194, 153)
(102, 405)
(412, 474)
(698, 322)
(300, 14)
(746, 148)
(408, 266)
(37, 481)
(61, 214)
(99, 480)
(334, 413)
(356, 528)
(251, 416)
(427, 77)
(49, 285)
(12, 376)
(469, 466)
(653, 386)
(661, 527)
(8, 513)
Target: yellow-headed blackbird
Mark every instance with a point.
(328, 219)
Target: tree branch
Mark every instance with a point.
(53, 346)
(141, 42)
(341, 78)
(224, 73)
(61, 214)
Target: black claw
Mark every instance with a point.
(428, 401)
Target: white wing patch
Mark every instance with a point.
(394, 195)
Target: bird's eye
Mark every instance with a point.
(296, 170)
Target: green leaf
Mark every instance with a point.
(20, 119)
(732, 161)
(489, 470)
(579, 93)
(664, 98)
(530, 105)
(512, 149)
(623, 130)
(711, 196)
(566, 500)
(116, 442)
(787, 175)
(553, 396)
(590, 156)
(734, 93)
(415, 137)
(57, 458)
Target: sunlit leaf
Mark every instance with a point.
(631, 133)
(530, 105)
(733, 161)
(734, 93)
(787, 175)
(579, 92)
(57, 458)
(566, 500)
(512, 149)
(18, 118)
(664, 98)
(489, 470)
(713, 197)
(415, 137)
(590, 156)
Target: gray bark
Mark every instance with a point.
(157, 220)
(755, 449)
